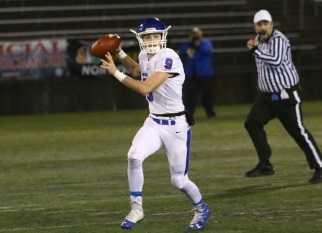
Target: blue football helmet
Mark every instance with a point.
(152, 26)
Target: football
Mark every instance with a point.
(107, 43)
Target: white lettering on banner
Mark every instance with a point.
(92, 70)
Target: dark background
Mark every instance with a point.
(227, 23)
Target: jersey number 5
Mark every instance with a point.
(149, 97)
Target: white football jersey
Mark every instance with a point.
(167, 98)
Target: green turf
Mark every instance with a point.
(67, 173)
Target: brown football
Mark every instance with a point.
(107, 43)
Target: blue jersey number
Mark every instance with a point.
(168, 63)
(149, 97)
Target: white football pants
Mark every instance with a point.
(172, 133)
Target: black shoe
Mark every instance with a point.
(261, 170)
(317, 177)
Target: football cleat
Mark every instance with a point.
(201, 216)
(133, 217)
(136, 214)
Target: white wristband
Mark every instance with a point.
(121, 54)
(119, 75)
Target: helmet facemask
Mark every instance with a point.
(152, 46)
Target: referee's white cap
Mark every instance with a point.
(262, 15)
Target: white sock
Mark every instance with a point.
(135, 176)
(136, 202)
(192, 191)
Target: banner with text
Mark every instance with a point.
(33, 59)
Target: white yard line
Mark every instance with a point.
(172, 213)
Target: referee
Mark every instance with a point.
(279, 97)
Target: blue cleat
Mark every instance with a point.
(201, 216)
(127, 224)
(135, 215)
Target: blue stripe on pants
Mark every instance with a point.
(188, 151)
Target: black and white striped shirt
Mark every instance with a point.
(275, 67)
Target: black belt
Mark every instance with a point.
(170, 114)
(277, 96)
(288, 90)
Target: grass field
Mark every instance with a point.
(67, 173)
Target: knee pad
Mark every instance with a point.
(179, 181)
(134, 163)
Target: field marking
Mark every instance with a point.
(107, 198)
(89, 224)
(235, 146)
(37, 207)
(56, 226)
(56, 210)
(66, 193)
(167, 213)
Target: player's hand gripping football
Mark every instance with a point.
(120, 46)
(108, 64)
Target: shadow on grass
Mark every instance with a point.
(254, 189)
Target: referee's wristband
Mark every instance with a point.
(121, 54)
(119, 75)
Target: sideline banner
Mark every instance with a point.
(33, 59)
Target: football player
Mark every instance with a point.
(162, 77)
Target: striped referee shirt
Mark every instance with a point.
(275, 67)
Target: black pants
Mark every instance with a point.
(288, 111)
(192, 88)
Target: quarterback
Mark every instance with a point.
(162, 77)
